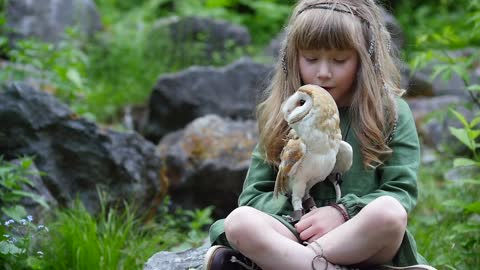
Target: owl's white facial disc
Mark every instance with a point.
(296, 107)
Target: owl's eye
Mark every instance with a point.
(301, 102)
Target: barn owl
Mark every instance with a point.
(314, 150)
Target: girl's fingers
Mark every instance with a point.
(307, 233)
(304, 223)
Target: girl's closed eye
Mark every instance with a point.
(340, 60)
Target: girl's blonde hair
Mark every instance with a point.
(339, 24)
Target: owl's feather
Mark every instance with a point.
(344, 158)
(315, 147)
(291, 157)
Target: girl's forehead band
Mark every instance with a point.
(335, 7)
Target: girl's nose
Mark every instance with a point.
(324, 71)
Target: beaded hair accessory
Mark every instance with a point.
(335, 7)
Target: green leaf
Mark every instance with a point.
(473, 134)
(473, 87)
(471, 181)
(3, 41)
(74, 76)
(459, 162)
(5, 170)
(473, 207)
(38, 199)
(462, 72)
(460, 117)
(16, 212)
(25, 163)
(440, 69)
(475, 121)
(9, 248)
(462, 136)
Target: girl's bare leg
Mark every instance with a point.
(265, 240)
(371, 237)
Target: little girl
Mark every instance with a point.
(344, 47)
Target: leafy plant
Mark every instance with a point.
(468, 135)
(446, 224)
(18, 244)
(439, 24)
(182, 228)
(116, 238)
(446, 233)
(59, 68)
(13, 177)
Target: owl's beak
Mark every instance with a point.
(296, 119)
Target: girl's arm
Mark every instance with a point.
(258, 188)
(398, 175)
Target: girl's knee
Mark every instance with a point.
(387, 213)
(239, 222)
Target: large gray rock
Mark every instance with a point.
(75, 154)
(206, 163)
(47, 19)
(190, 259)
(179, 98)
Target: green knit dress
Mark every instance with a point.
(397, 177)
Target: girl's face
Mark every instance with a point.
(333, 70)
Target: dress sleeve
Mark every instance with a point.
(397, 177)
(259, 185)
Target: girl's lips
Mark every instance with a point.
(327, 88)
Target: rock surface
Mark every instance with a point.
(179, 98)
(206, 162)
(184, 260)
(48, 19)
(76, 155)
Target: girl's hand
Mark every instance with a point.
(318, 222)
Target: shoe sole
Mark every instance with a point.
(207, 261)
(412, 267)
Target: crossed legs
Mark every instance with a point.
(373, 236)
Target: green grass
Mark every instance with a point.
(446, 234)
(117, 239)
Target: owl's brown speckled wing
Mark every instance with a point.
(291, 156)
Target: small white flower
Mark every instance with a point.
(12, 240)
(8, 222)
(42, 227)
(30, 218)
(23, 221)
(6, 236)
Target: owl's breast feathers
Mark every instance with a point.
(291, 156)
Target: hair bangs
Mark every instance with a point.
(328, 30)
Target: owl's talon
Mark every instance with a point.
(296, 215)
(309, 204)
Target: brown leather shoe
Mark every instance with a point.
(225, 258)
